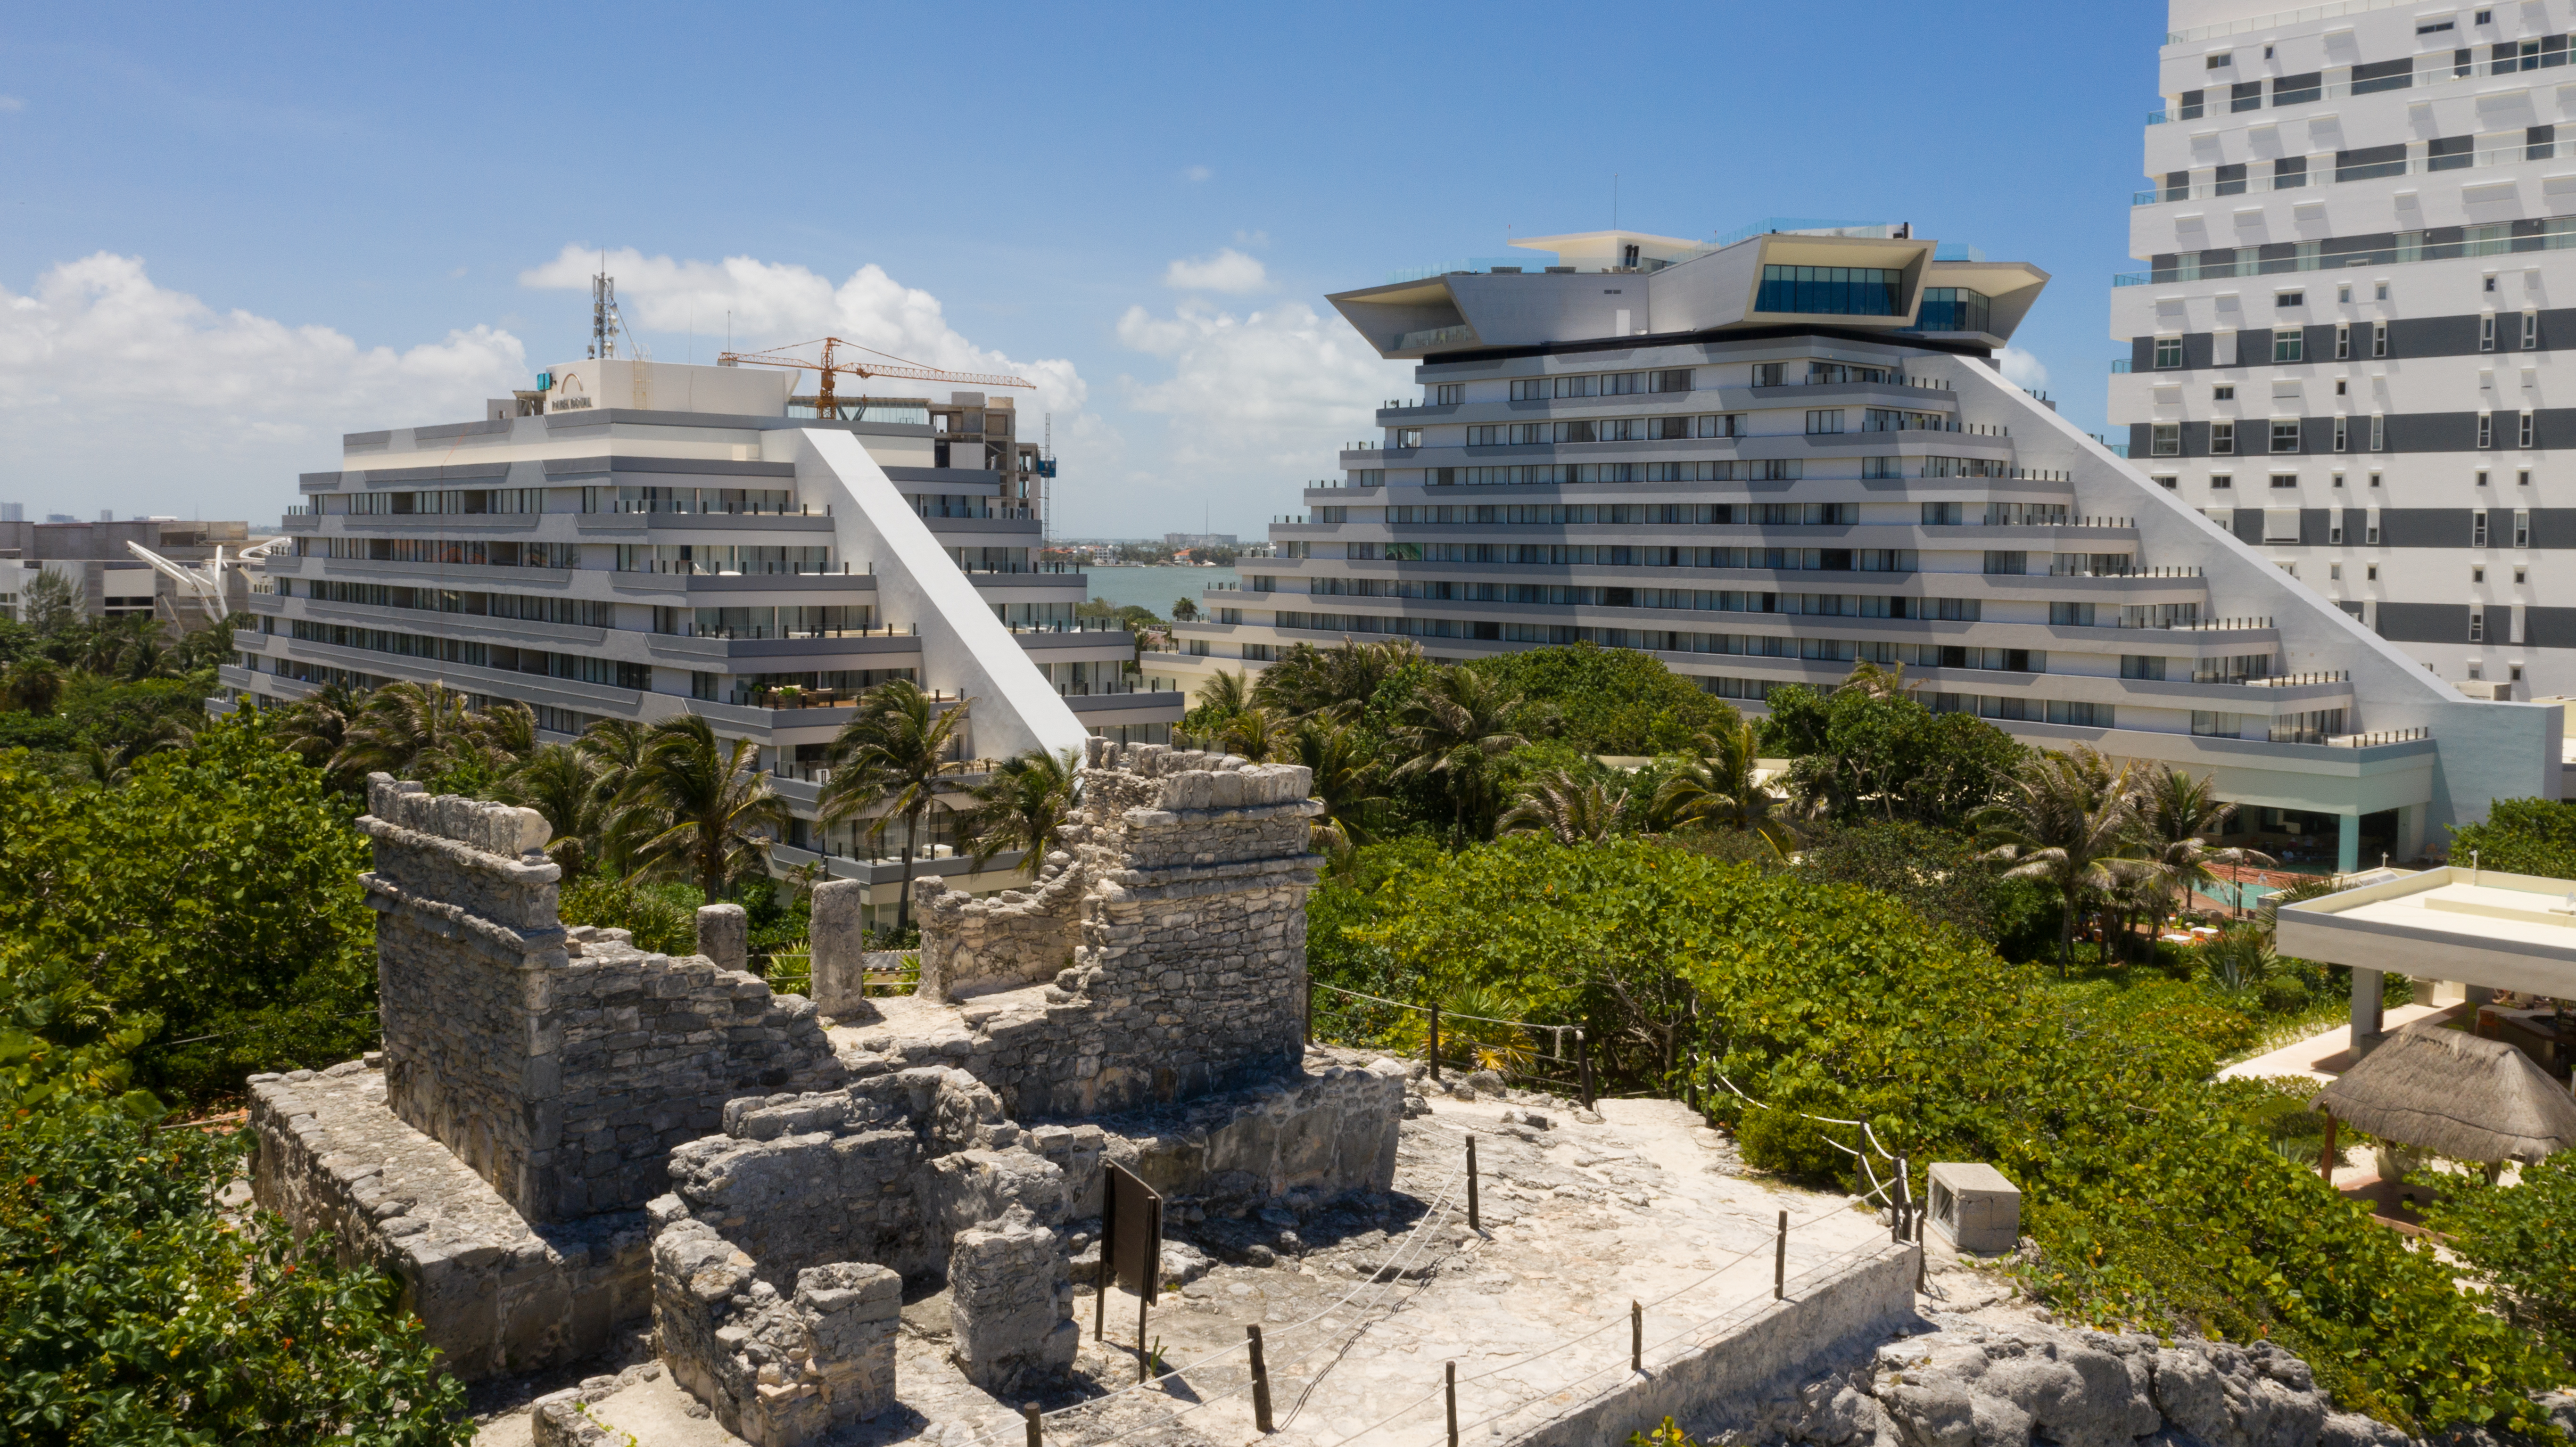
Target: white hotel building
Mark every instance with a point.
(638, 540)
(1767, 461)
(2344, 346)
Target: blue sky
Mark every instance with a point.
(235, 232)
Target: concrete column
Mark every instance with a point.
(2367, 1021)
(724, 935)
(2347, 843)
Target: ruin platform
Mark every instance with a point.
(1364, 1300)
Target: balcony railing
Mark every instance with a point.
(2201, 625)
(1891, 379)
(953, 511)
(2404, 251)
(2434, 72)
(2086, 570)
(2384, 736)
(889, 630)
(694, 568)
(694, 507)
(2293, 680)
(1073, 625)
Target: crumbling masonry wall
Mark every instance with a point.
(563, 1073)
(776, 1369)
(1185, 883)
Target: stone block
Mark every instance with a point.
(1011, 1308)
(1974, 1208)
(724, 935)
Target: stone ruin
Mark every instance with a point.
(564, 1134)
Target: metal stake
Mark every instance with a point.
(1260, 1383)
(1144, 1353)
(1780, 1262)
(1029, 1410)
(1636, 1337)
(1473, 1223)
(1452, 1370)
(1583, 1059)
(1435, 1040)
(1310, 1010)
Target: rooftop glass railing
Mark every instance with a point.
(1432, 337)
(2558, 234)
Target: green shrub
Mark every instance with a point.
(136, 1312)
(2158, 1196)
(2521, 836)
(2520, 1240)
(214, 895)
(663, 917)
(1611, 700)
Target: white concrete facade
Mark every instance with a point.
(2346, 342)
(606, 561)
(1762, 496)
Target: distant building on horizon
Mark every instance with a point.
(106, 579)
(1200, 540)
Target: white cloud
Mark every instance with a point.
(12, 103)
(774, 304)
(1252, 238)
(1259, 400)
(2023, 369)
(115, 391)
(1196, 173)
(1228, 271)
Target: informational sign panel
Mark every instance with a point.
(1131, 1228)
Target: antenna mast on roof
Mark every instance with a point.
(607, 323)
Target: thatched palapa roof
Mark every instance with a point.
(2451, 1093)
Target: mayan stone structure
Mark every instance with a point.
(1160, 957)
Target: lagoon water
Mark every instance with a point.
(1156, 587)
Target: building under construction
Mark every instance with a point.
(635, 540)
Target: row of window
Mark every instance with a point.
(1606, 429)
(464, 552)
(2226, 481)
(1756, 469)
(580, 612)
(1833, 560)
(478, 501)
(2290, 344)
(2287, 434)
(796, 621)
(1590, 384)
(451, 500)
(1766, 514)
(1701, 600)
(578, 667)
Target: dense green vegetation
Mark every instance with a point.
(85, 698)
(2522, 836)
(2156, 1195)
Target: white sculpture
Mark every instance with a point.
(205, 583)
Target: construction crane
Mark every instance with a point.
(825, 405)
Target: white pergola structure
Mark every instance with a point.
(2482, 927)
(205, 583)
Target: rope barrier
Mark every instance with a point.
(1386, 1276)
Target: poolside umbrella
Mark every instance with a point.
(2455, 1095)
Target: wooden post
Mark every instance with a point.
(1636, 1337)
(1108, 1255)
(1435, 1040)
(1260, 1382)
(1144, 1351)
(1451, 1369)
(1310, 1010)
(1583, 1061)
(1474, 1222)
(2326, 1154)
(1029, 1410)
(1780, 1262)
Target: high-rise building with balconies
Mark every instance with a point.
(1767, 460)
(2343, 346)
(636, 540)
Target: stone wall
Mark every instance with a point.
(494, 1294)
(1327, 1133)
(777, 1370)
(1185, 881)
(973, 946)
(562, 1067)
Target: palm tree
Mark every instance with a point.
(108, 765)
(1457, 728)
(1224, 694)
(36, 682)
(714, 809)
(2173, 811)
(316, 728)
(1568, 811)
(614, 750)
(559, 783)
(1025, 806)
(1716, 786)
(2065, 818)
(406, 729)
(1345, 779)
(1341, 680)
(1256, 734)
(889, 763)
